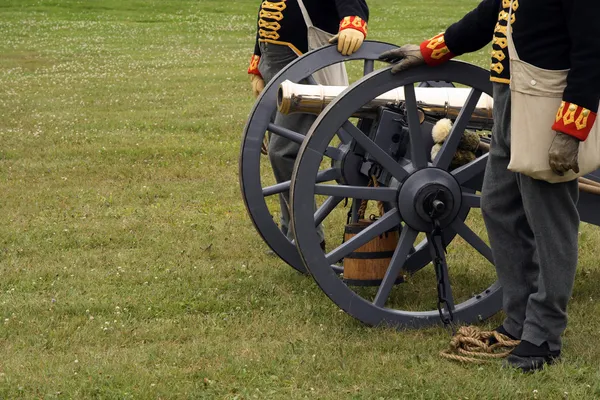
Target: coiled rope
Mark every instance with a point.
(472, 345)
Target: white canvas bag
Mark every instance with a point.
(334, 75)
(536, 95)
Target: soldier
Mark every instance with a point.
(532, 224)
(282, 37)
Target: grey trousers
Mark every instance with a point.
(283, 152)
(533, 230)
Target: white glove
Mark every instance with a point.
(258, 84)
(348, 41)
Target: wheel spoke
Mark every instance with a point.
(286, 133)
(471, 170)
(446, 153)
(388, 221)
(331, 152)
(407, 239)
(369, 66)
(471, 200)
(354, 210)
(329, 174)
(376, 152)
(326, 175)
(276, 189)
(326, 208)
(358, 192)
(447, 288)
(343, 135)
(471, 237)
(417, 149)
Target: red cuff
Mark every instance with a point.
(574, 120)
(253, 68)
(354, 23)
(435, 50)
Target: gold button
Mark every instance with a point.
(572, 107)
(586, 113)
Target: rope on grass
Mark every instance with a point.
(472, 345)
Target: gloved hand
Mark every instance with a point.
(407, 56)
(563, 153)
(258, 84)
(348, 41)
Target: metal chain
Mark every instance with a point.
(440, 268)
(439, 265)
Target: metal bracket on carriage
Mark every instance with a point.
(389, 132)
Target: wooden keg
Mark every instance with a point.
(367, 264)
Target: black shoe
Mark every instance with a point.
(504, 332)
(529, 357)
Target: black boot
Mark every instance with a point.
(529, 357)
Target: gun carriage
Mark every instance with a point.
(372, 141)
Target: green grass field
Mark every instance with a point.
(129, 267)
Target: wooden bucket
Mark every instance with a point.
(367, 264)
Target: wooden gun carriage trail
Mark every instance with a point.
(372, 141)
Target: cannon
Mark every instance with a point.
(371, 142)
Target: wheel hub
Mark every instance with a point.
(426, 194)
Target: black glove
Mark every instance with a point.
(407, 56)
(563, 153)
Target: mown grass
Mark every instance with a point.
(129, 266)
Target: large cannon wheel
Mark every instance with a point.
(414, 180)
(260, 121)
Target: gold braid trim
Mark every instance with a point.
(270, 11)
(268, 34)
(278, 6)
(269, 25)
(277, 16)
(288, 44)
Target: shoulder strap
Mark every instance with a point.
(512, 50)
(307, 19)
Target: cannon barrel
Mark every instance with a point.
(434, 102)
